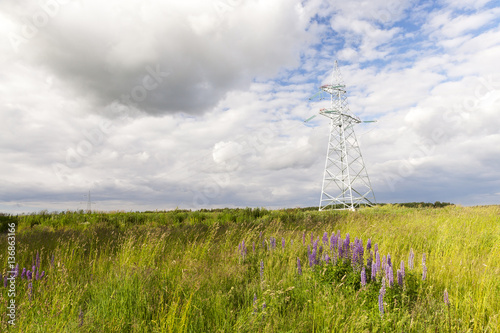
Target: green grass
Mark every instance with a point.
(181, 271)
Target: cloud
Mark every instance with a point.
(164, 57)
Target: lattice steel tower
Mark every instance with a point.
(345, 182)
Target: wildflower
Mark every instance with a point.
(260, 234)
(42, 275)
(340, 248)
(262, 269)
(37, 274)
(52, 260)
(402, 268)
(424, 268)
(368, 244)
(378, 263)
(411, 258)
(400, 277)
(309, 256)
(16, 270)
(5, 281)
(381, 298)
(333, 242)
(282, 243)
(389, 260)
(363, 277)
(389, 275)
(327, 259)
(446, 299)
(23, 273)
(374, 272)
(347, 243)
(28, 275)
(314, 253)
(299, 267)
(30, 289)
(273, 243)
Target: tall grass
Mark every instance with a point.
(183, 271)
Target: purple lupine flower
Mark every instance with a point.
(263, 244)
(381, 298)
(347, 247)
(5, 281)
(262, 269)
(378, 263)
(445, 297)
(52, 260)
(28, 275)
(333, 242)
(374, 272)
(260, 234)
(325, 238)
(368, 244)
(43, 274)
(299, 266)
(390, 275)
(37, 274)
(30, 290)
(402, 268)
(239, 248)
(357, 253)
(320, 251)
(23, 273)
(273, 242)
(375, 248)
(400, 278)
(313, 254)
(309, 256)
(389, 260)
(340, 248)
(282, 242)
(363, 277)
(381, 304)
(411, 258)
(424, 268)
(369, 260)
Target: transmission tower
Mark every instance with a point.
(89, 203)
(345, 182)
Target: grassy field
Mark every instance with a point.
(237, 271)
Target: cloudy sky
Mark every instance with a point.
(197, 104)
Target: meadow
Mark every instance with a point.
(256, 270)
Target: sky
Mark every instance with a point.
(157, 105)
